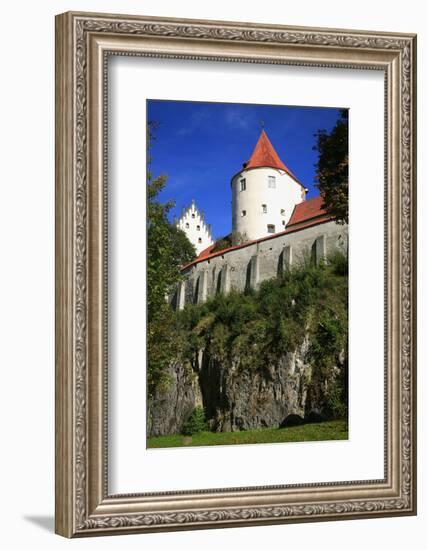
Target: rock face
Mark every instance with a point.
(263, 397)
(168, 411)
(236, 398)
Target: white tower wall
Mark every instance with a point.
(260, 205)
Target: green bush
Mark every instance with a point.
(196, 423)
(336, 402)
(222, 244)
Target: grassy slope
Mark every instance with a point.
(333, 430)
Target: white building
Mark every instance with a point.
(193, 224)
(264, 194)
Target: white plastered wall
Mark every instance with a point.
(249, 217)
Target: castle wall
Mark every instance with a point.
(249, 265)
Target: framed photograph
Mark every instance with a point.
(235, 274)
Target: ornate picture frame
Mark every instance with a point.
(84, 506)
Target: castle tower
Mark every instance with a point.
(264, 194)
(193, 224)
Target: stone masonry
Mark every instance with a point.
(249, 264)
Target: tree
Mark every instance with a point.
(332, 168)
(168, 249)
(196, 423)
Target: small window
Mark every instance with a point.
(243, 213)
(193, 215)
(198, 227)
(200, 239)
(283, 222)
(264, 209)
(187, 225)
(271, 228)
(272, 182)
(282, 211)
(243, 185)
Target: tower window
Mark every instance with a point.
(193, 215)
(198, 227)
(283, 222)
(187, 225)
(264, 209)
(271, 228)
(282, 211)
(272, 182)
(200, 240)
(243, 185)
(243, 212)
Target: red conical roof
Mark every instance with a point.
(264, 154)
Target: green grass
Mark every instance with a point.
(324, 431)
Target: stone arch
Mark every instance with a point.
(196, 290)
(248, 276)
(218, 283)
(280, 269)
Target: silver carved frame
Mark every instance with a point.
(83, 43)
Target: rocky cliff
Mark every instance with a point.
(241, 398)
(171, 406)
(262, 358)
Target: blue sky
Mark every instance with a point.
(200, 146)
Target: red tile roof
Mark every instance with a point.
(264, 155)
(206, 252)
(307, 210)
